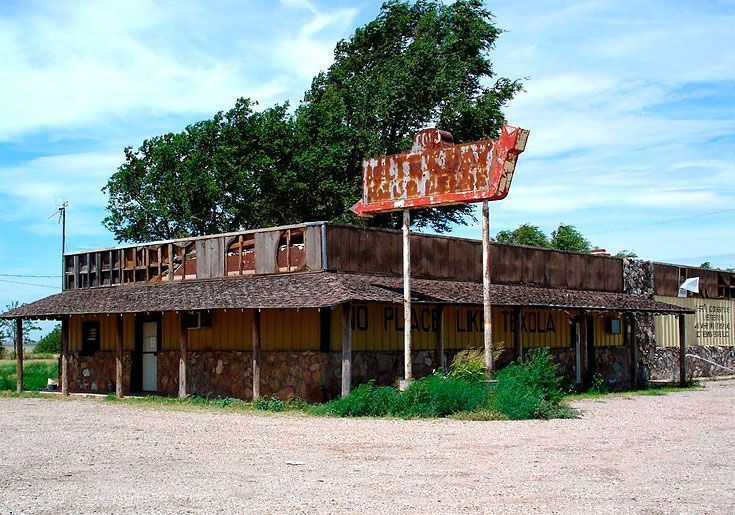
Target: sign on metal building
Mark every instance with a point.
(437, 172)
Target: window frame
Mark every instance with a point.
(87, 325)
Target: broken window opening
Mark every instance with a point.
(240, 255)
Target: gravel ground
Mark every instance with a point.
(645, 454)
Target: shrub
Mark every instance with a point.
(530, 388)
(598, 384)
(432, 396)
(469, 365)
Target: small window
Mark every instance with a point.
(197, 319)
(91, 336)
(614, 326)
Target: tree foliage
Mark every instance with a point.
(51, 343)
(564, 237)
(416, 64)
(525, 234)
(567, 237)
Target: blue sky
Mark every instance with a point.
(631, 107)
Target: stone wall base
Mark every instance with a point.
(666, 363)
(313, 376)
(95, 372)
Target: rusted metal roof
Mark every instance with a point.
(437, 172)
(315, 290)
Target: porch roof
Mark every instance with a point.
(316, 290)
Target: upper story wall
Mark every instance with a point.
(357, 249)
(713, 284)
(292, 248)
(324, 246)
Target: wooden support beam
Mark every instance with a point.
(487, 308)
(517, 335)
(19, 352)
(119, 356)
(682, 350)
(346, 349)
(239, 254)
(408, 364)
(65, 356)
(77, 279)
(441, 356)
(439, 341)
(631, 342)
(256, 354)
(183, 350)
(170, 262)
(121, 265)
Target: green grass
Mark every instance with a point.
(35, 374)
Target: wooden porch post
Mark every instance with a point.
(682, 350)
(346, 349)
(65, 356)
(407, 362)
(517, 341)
(119, 356)
(256, 354)
(629, 332)
(487, 308)
(182, 356)
(441, 357)
(19, 352)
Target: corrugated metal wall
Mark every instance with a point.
(713, 323)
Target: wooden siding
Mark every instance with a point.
(108, 328)
(379, 327)
(354, 249)
(712, 324)
(376, 327)
(667, 279)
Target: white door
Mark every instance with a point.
(578, 349)
(150, 359)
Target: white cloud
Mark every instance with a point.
(77, 64)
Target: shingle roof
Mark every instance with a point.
(314, 290)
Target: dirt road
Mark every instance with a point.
(646, 454)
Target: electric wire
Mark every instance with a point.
(31, 284)
(32, 276)
(662, 222)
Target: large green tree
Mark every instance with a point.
(567, 237)
(416, 64)
(525, 234)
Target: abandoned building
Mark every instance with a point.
(279, 311)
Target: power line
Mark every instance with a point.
(33, 276)
(30, 284)
(673, 220)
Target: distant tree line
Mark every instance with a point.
(564, 237)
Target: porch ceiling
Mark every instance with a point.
(315, 290)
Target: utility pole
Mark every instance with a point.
(61, 213)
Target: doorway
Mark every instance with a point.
(147, 345)
(149, 353)
(577, 332)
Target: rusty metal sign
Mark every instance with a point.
(436, 172)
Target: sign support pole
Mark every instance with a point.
(487, 311)
(408, 371)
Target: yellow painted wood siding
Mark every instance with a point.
(380, 327)
(108, 330)
(713, 324)
(375, 327)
